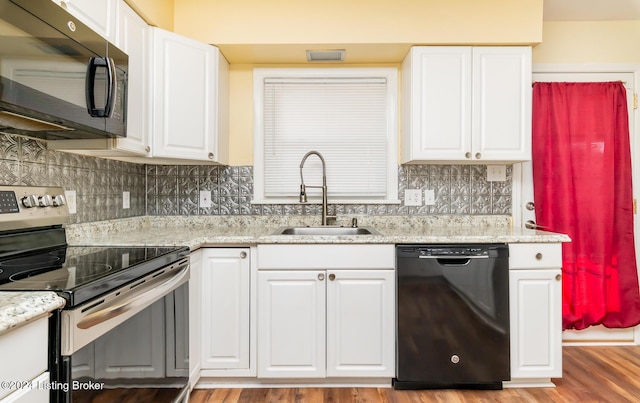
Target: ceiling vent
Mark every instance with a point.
(325, 55)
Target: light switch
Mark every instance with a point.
(429, 197)
(70, 197)
(126, 199)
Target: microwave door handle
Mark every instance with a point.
(111, 87)
(90, 86)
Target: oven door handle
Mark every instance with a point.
(149, 294)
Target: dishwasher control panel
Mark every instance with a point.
(482, 250)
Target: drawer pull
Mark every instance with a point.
(558, 277)
(538, 256)
(332, 276)
(243, 255)
(321, 276)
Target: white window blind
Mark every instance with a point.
(346, 119)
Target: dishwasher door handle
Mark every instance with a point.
(453, 257)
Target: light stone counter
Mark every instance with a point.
(199, 231)
(19, 308)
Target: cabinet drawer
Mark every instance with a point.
(535, 255)
(26, 349)
(321, 257)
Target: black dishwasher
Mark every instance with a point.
(452, 316)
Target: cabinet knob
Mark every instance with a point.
(558, 277)
(210, 156)
(321, 276)
(243, 255)
(478, 156)
(147, 149)
(538, 256)
(332, 276)
(467, 155)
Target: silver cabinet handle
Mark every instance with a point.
(147, 149)
(530, 206)
(332, 276)
(538, 256)
(558, 277)
(243, 255)
(478, 156)
(467, 155)
(210, 156)
(321, 276)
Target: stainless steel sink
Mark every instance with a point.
(326, 230)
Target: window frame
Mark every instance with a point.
(391, 76)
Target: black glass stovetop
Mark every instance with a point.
(79, 273)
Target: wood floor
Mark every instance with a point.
(590, 374)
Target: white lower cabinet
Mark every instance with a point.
(361, 323)
(536, 312)
(23, 353)
(336, 322)
(226, 310)
(291, 322)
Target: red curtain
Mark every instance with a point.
(582, 187)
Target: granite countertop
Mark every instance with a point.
(198, 231)
(18, 308)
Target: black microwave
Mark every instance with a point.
(58, 78)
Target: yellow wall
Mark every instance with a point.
(224, 22)
(158, 13)
(589, 42)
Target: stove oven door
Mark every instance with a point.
(128, 349)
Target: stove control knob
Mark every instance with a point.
(44, 201)
(58, 200)
(30, 201)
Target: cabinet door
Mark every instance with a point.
(291, 324)
(123, 351)
(31, 395)
(502, 103)
(225, 308)
(185, 108)
(360, 323)
(133, 38)
(437, 103)
(195, 315)
(99, 15)
(536, 323)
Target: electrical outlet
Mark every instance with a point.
(496, 173)
(126, 199)
(429, 197)
(70, 196)
(205, 198)
(412, 197)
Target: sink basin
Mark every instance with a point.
(336, 231)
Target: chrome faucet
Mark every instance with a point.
(303, 188)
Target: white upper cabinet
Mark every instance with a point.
(133, 39)
(190, 107)
(99, 15)
(466, 104)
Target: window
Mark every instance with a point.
(349, 115)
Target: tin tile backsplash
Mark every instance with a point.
(175, 189)
(459, 190)
(98, 182)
